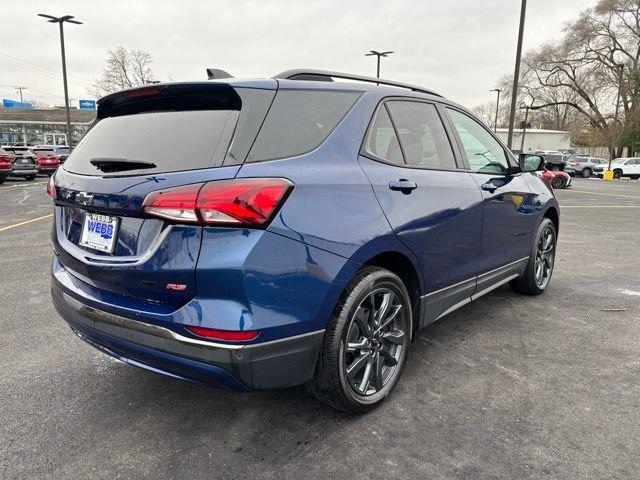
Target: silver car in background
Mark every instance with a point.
(583, 165)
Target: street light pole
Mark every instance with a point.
(516, 74)
(495, 123)
(524, 127)
(60, 21)
(379, 55)
(612, 150)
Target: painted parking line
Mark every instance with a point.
(26, 222)
(598, 206)
(605, 194)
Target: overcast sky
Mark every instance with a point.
(456, 47)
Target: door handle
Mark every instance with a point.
(489, 187)
(403, 185)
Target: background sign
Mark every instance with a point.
(87, 104)
(14, 104)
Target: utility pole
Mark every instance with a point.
(379, 55)
(60, 21)
(20, 89)
(516, 74)
(495, 123)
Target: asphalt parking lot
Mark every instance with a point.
(506, 387)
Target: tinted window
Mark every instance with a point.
(173, 141)
(484, 153)
(299, 121)
(382, 141)
(422, 135)
(43, 152)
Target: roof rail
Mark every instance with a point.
(327, 76)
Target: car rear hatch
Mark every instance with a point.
(24, 159)
(148, 140)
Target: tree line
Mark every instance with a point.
(574, 82)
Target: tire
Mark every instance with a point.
(617, 174)
(2, 179)
(558, 182)
(347, 391)
(529, 283)
(30, 177)
(586, 172)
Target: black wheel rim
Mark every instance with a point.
(374, 342)
(545, 255)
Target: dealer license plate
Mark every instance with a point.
(99, 232)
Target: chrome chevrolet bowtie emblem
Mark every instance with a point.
(84, 198)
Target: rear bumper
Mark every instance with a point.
(47, 170)
(24, 173)
(273, 364)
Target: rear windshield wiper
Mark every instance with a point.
(108, 165)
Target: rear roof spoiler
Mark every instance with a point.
(216, 73)
(170, 97)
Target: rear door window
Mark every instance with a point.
(299, 121)
(382, 141)
(423, 138)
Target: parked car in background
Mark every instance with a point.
(302, 235)
(62, 151)
(6, 161)
(554, 160)
(622, 167)
(583, 165)
(24, 164)
(557, 179)
(47, 160)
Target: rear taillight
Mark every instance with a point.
(51, 188)
(225, 335)
(239, 202)
(5, 162)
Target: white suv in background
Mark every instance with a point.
(622, 167)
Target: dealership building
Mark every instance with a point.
(42, 126)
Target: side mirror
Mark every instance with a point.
(531, 163)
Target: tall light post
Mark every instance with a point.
(612, 152)
(60, 21)
(379, 55)
(495, 123)
(516, 74)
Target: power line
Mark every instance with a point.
(42, 71)
(40, 67)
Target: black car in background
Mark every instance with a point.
(24, 164)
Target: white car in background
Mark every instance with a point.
(622, 167)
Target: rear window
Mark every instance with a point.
(43, 152)
(299, 121)
(176, 136)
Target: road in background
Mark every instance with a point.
(506, 387)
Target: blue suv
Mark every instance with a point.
(253, 234)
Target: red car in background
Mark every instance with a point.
(6, 161)
(557, 179)
(48, 161)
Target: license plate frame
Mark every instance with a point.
(95, 237)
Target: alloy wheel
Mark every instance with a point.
(545, 256)
(374, 342)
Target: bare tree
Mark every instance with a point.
(599, 54)
(124, 69)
